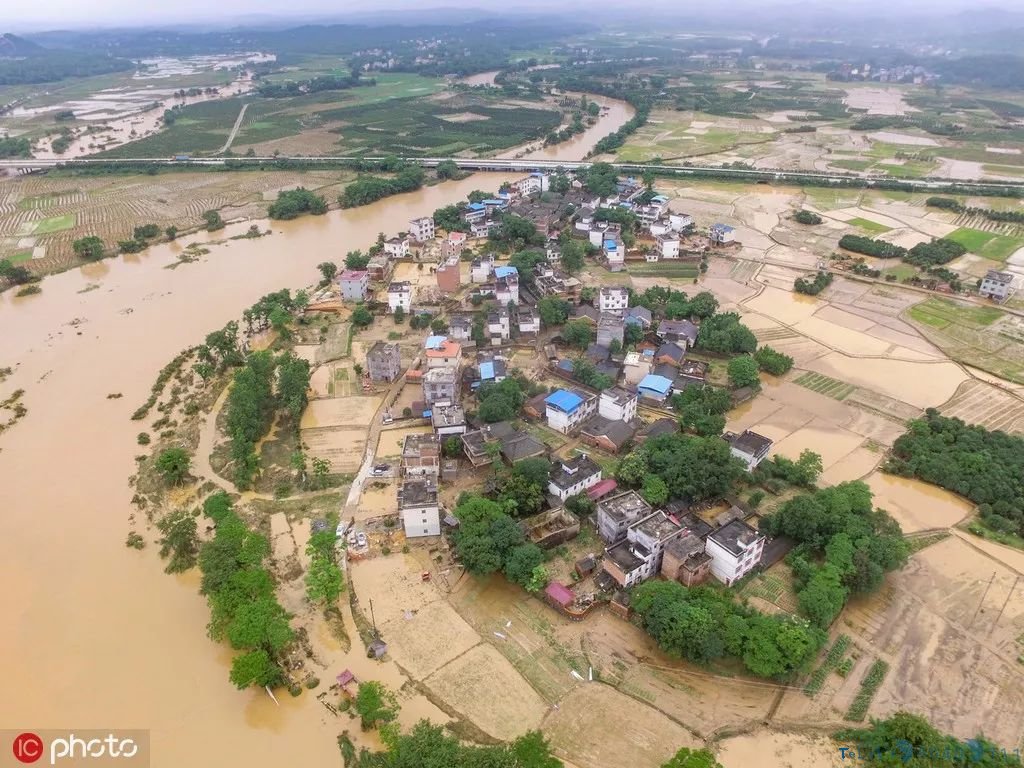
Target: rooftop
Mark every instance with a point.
(434, 342)
(354, 274)
(625, 506)
(564, 400)
(685, 546)
(400, 287)
(506, 272)
(678, 328)
(622, 555)
(617, 431)
(416, 493)
(602, 488)
(618, 395)
(521, 445)
(999, 277)
(665, 426)
(440, 375)
(383, 348)
(749, 443)
(447, 348)
(560, 593)
(671, 350)
(655, 383)
(735, 537)
(447, 416)
(416, 446)
(567, 472)
(657, 526)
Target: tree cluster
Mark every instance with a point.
(240, 592)
(692, 467)
(950, 204)
(488, 540)
(500, 401)
(292, 203)
(369, 189)
(984, 466)
(600, 179)
(821, 281)
(553, 311)
(725, 334)
(15, 274)
(770, 361)
(702, 409)
(703, 624)
(806, 217)
(880, 249)
(290, 88)
(516, 232)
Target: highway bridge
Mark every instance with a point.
(491, 164)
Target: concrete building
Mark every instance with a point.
(354, 284)
(400, 295)
(380, 267)
(617, 403)
(668, 246)
(566, 409)
(684, 559)
(528, 320)
(655, 388)
(996, 285)
(499, 326)
(418, 508)
(442, 352)
(397, 247)
(722, 234)
(449, 275)
(615, 255)
(613, 300)
(735, 549)
(448, 420)
(440, 385)
(384, 362)
(571, 476)
(422, 229)
(749, 447)
(460, 327)
(616, 513)
(506, 286)
(481, 269)
(680, 221)
(640, 556)
(610, 328)
(421, 456)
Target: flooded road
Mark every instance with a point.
(95, 635)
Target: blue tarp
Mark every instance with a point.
(564, 400)
(435, 342)
(655, 383)
(610, 245)
(486, 371)
(505, 271)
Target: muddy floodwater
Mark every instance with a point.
(94, 634)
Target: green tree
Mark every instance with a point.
(90, 248)
(213, 220)
(539, 579)
(171, 232)
(324, 582)
(633, 469)
(724, 333)
(654, 491)
(260, 623)
(553, 311)
(571, 256)
(174, 465)
(321, 469)
(703, 305)
(375, 704)
(447, 169)
(361, 316)
(692, 758)
(742, 372)
(15, 274)
(521, 562)
(180, 541)
(328, 271)
(399, 314)
(578, 333)
(601, 179)
(254, 668)
(770, 361)
(823, 597)
(356, 260)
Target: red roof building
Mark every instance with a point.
(601, 489)
(560, 594)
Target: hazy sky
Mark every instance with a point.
(57, 14)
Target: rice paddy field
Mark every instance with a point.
(825, 385)
(988, 245)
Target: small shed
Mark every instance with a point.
(559, 595)
(620, 604)
(346, 677)
(377, 649)
(586, 565)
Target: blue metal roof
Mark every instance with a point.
(505, 271)
(495, 201)
(486, 370)
(564, 400)
(476, 206)
(566, 364)
(655, 383)
(435, 342)
(610, 245)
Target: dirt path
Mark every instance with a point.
(356, 490)
(234, 130)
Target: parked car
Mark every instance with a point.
(352, 539)
(380, 469)
(361, 539)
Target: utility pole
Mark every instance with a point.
(1007, 600)
(982, 601)
(376, 635)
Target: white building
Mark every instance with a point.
(734, 549)
(532, 184)
(749, 447)
(400, 295)
(566, 409)
(397, 247)
(722, 233)
(529, 321)
(996, 285)
(613, 299)
(506, 286)
(499, 327)
(617, 403)
(659, 227)
(417, 506)
(680, 221)
(668, 245)
(571, 476)
(481, 269)
(422, 229)
(615, 254)
(639, 557)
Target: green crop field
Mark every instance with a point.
(19, 256)
(940, 313)
(665, 269)
(54, 224)
(199, 128)
(869, 226)
(987, 244)
(824, 385)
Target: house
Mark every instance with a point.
(384, 362)
(354, 284)
(571, 476)
(615, 255)
(654, 387)
(421, 456)
(635, 367)
(449, 275)
(617, 403)
(559, 596)
(498, 326)
(638, 316)
(532, 184)
(996, 285)
(440, 385)
(400, 295)
(680, 331)
(551, 528)
(397, 247)
(442, 352)
(610, 435)
(422, 229)
(519, 446)
(616, 513)
(448, 420)
(476, 443)
(670, 353)
(586, 312)
(668, 246)
(659, 227)
(722, 234)
(506, 286)
(488, 370)
(418, 508)
(692, 372)
(735, 549)
(665, 426)
(379, 267)
(602, 489)
(640, 556)
(613, 300)
(528, 320)
(749, 447)
(610, 328)
(483, 228)
(680, 221)
(567, 409)
(460, 327)
(685, 560)
(481, 269)
(474, 212)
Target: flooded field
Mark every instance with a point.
(915, 505)
(763, 747)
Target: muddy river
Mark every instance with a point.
(95, 635)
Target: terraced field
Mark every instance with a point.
(825, 385)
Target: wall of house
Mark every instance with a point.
(421, 521)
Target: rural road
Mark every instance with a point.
(234, 130)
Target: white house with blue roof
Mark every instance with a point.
(567, 409)
(654, 387)
(722, 233)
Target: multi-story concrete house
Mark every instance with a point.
(735, 549)
(354, 284)
(400, 295)
(572, 476)
(418, 508)
(422, 229)
(616, 513)
(384, 361)
(617, 404)
(613, 300)
(567, 409)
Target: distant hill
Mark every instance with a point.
(12, 46)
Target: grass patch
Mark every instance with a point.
(868, 688)
(869, 226)
(831, 661)
(666, 269)
(54, 224)
(978, 528)
(19, 257)
(825, 385)
(940, 313)
(901, 271)
(987, 244)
